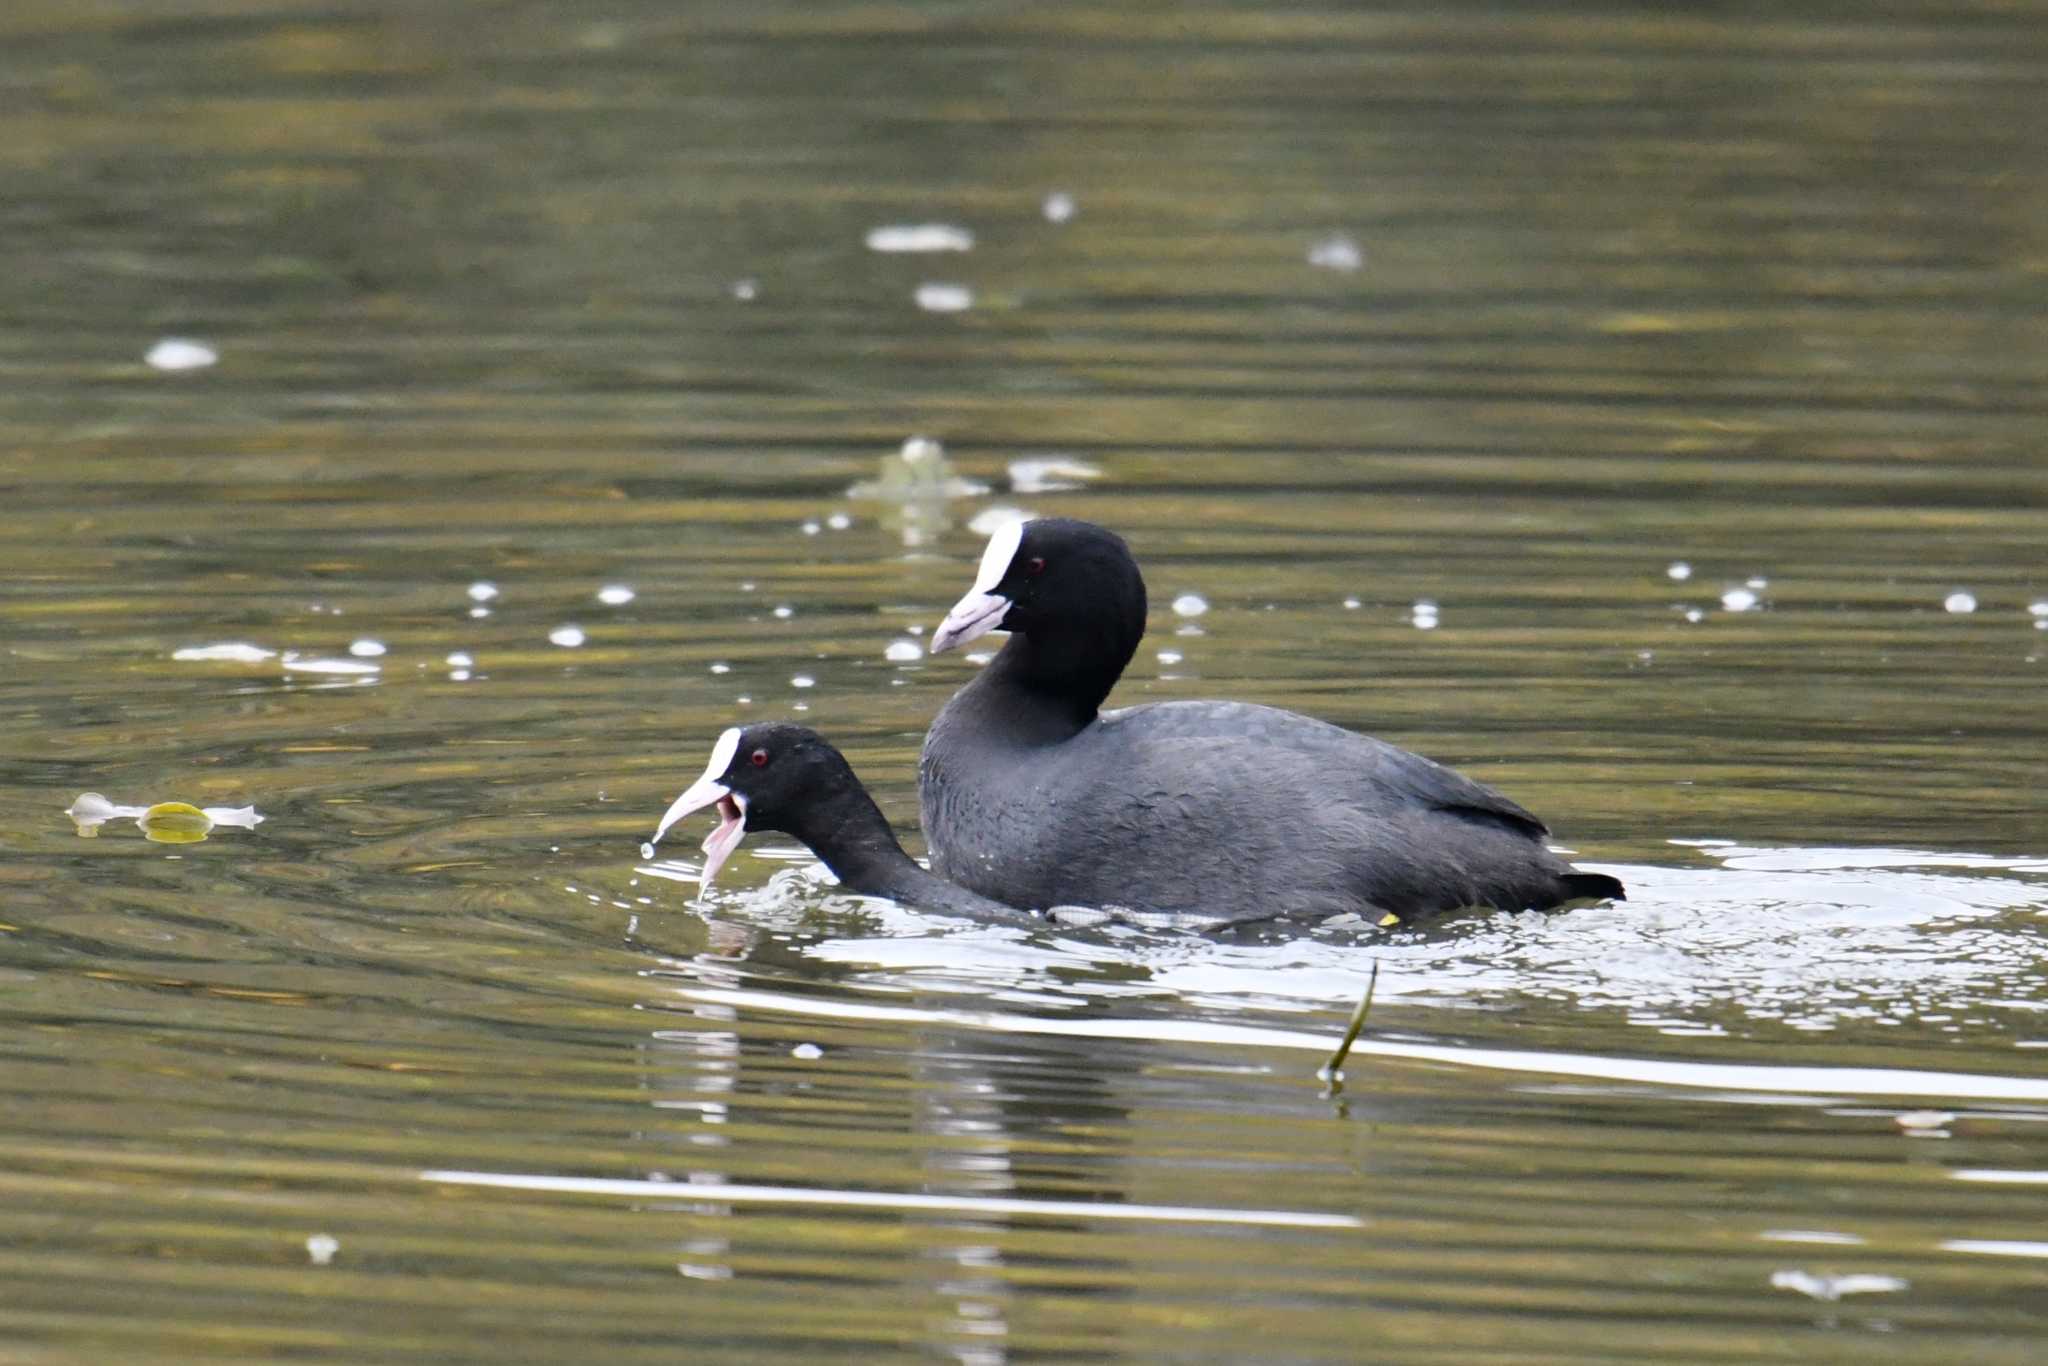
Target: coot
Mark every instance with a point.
(1222, 810)
(781, 776)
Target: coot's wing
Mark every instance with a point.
(1371, 772)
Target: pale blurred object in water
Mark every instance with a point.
(321, 1247)
(1961, 603)
(938, 297)
(568, 637)
(920, 237)
(989, 521)
(235, 652)
(1050, 473)
(1059, 207)
(615, 595)
(1739, 600)
(165, 822)
(294, 662)
(903, 651)
(1832, 1288)
(180, 353)
(1336, 252)
(913, 487)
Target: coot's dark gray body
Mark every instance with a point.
(1223, 810)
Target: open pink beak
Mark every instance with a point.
(708, 791)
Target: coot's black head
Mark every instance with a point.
(776, 775)
(1067, 585)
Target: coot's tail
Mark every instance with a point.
(1578, 886)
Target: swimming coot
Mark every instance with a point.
(1226, 810)
(781, 776)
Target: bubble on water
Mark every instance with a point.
(1059, 207)
(1759, 583)
(1959, 602)
(784, 612)
(366, 648)
(915, 237)
(1170, 656)
(944, 298)
(902, 651)
(180, 353)
(646, 851)
(1423, 615)
(1336, 252)
(839, 521)
(615, 595)
(1695, 615)
(1352, 604)
(479, 613)
(1738, 600)
(482, 591)
(989, 521)
(2039, 609)
(746, 291)
(1190, 605)
(803, 681)
(919, 449)
(744, 701)
(321, 1247)
(979, 658)
(813, 527)
(568, 637)
(1678, 571)
(809, 1052)
(721, 667)
(459, 659)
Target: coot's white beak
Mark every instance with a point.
(707, 791)
(983, 609)
(974, 615)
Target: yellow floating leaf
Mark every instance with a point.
(175, 823)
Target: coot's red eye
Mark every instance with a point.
(759, 758)
(1035, 565)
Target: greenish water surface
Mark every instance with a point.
(1691, 364)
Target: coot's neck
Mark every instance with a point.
(848, 831)
(1047, 685)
